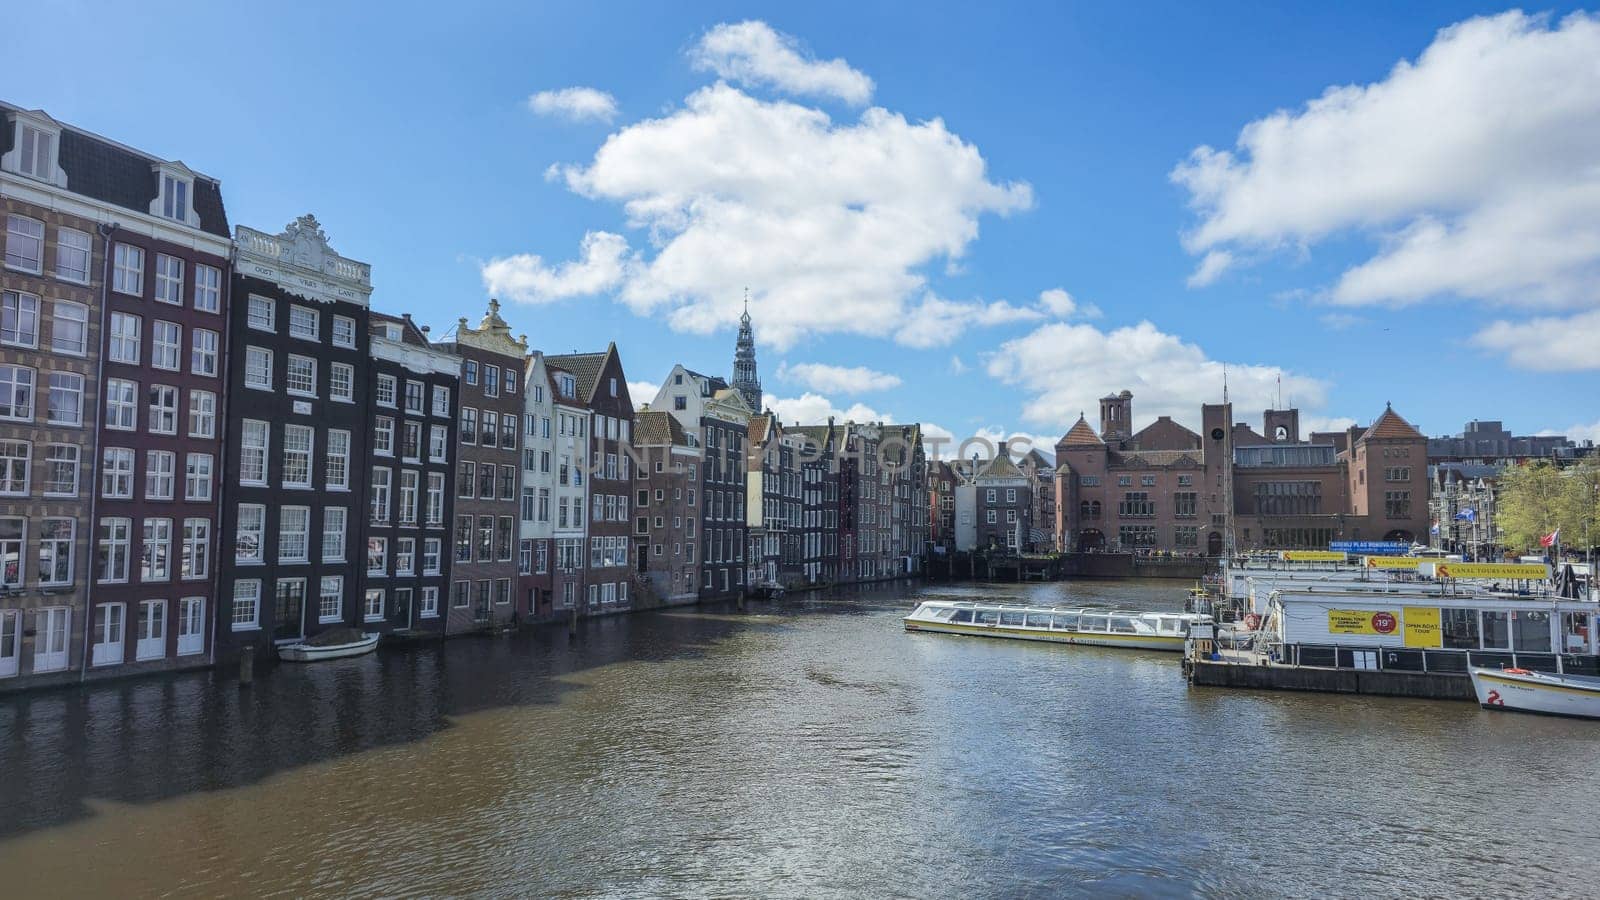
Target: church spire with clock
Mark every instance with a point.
(744, 361)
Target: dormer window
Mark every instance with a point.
(38, 157)
(567, 384)
(175, 198)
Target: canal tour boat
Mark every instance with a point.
(1096, 626)
(1523, 690)
(308, 652)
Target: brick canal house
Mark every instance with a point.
(664, 521)
(995, 505)
(707, 407)
(571, 491)
(774, 501)
(819, 535)
(488, 483)
(93, 226)
(536, 533)
(1041, 474)
(411, 412)
(600, 388)
(941, 505)
(909, 536)
(297, 437)
(1162, 488)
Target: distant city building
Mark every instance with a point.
(1488, 440)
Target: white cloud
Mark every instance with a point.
(643, 392)
(1339, 321)
(1309, 424)
(1057, 302)
(936, 321)
(838, 379)
(1580, 432)
(814, 409)
(830, 224)
(1547, 344)
(1211, 268)
(575, 103)
(755, 55)
(525, 277)
(957, 367)
(1473, 168)
(1068, 368)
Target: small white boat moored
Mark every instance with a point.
(307, 652)
(1091, 625)
(1521, 690)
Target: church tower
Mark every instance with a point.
(744, 361)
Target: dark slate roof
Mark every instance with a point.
(113, 174)
(1133, 459)
(718, 383)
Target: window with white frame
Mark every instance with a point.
(511, 380)
(297, 447)
(13, 547)
(468, 433)
(207, 288)
(378, 556)
(338, 469)
(414, 397)
(127, 270)
(169, 279)
(203, 352)
(70, 333)
(491, 381)
(123, 346)
(24, 244)
(57, 538)
(250, 533)
(386, 390)
(258, 368)
(163, 400)
(166, 345)
(411, 441)
(471, 369)
(344, 331)
(334, 519)
(372, 605)
(341, 382)
(113, 549)
(15, 457)
(408, 497)
(431, 550)
(441, 401)
(301, 376)
(72, 255)
(155, 551)
(246, 604)
(60, 470)
(65, 402)
(438, 443)
(19, 319)
(262, 314)
(116, 473)
(16, 393)
(175, 198)
(253, 438)
(330, 599)
(197, 477)
(435, 502)
(383, 436)
(405, 556)
(196, 563)
(202, 414)
(160, 474)
(430, 603)
(37, 152)
(303, 323)
(294, 534)
(380, 494)
(122, 404)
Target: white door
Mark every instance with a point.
(108, 634)
(152, 630)
(191, 625)
(10, 639)
(50, 647)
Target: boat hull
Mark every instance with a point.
(305, 653)
(1553, 695)
(1172, 644)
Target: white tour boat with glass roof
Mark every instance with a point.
(1096, 626)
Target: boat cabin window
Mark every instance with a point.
(1092, 623)
(1122, 625)
(987, 616)
(1496, 630)
(1530, 631)
(1460, 628)
(1011, 618)
(1065, 623)
(1171, 625)
(943, 615)
(1038, 620)
(1575, 632)
(962, 615)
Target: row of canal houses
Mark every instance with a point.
(212, 442)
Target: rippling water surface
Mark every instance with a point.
(803, 748)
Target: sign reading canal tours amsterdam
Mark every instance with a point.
(1408, 563)
(1422, 626)
(1375, 548)
(1493, 571)
(1311, 556)
(1361, 621)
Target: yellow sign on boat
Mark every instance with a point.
(1408, 563)
(1311, 556)
(1493, 571)
(1362, 621)
(1422, 626)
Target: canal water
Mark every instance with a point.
(807, 747)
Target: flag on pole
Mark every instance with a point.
(1470, 514)
(1550, 539)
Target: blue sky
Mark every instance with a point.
(412, 138)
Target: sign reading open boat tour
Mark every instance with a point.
(1422, 626)
(1362, 621)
